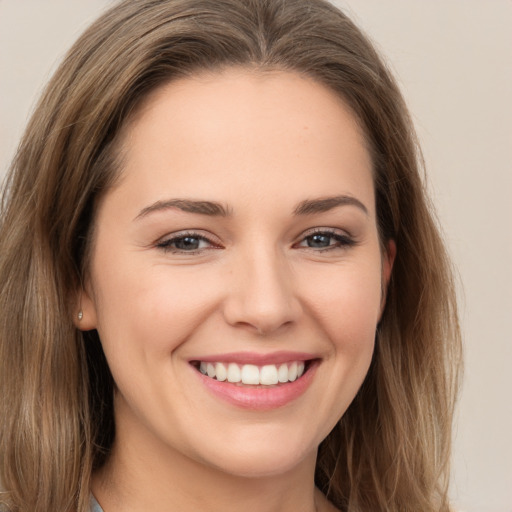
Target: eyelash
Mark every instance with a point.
(342, 242)
(167, 244)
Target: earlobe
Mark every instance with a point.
(388, 259)
(85, 317)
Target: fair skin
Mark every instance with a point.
(271, 274)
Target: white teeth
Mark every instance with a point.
(233, 373)
(282, 373)
(210, 370)
(267, 375)
(250, 374)
(220, 372)
(292, 372)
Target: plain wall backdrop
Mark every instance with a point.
(453, 60)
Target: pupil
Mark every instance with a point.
(319, 241)
(187, 243)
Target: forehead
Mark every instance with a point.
(252, 132)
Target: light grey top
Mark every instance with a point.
(95, 506)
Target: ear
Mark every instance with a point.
(85, 317)
(388, 259)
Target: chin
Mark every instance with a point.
(264, 465)
(262, 453)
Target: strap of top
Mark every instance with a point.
(95, 506)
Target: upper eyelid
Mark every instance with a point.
(327, 230)
(200, 233)
(189, 233)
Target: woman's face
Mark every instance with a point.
(240, 241)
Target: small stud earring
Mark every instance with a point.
(80, 315)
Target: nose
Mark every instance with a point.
(261, 296)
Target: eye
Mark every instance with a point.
(324, 239)
(185, 243)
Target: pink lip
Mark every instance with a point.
(255, 358)
(259, 398)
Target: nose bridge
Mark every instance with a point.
(262, 294)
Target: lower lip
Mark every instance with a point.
(260, 398)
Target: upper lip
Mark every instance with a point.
(256, 358)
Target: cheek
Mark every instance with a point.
(346, 303)
(150, 309)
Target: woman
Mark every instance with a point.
(222, 285)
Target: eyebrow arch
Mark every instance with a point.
(210, 208)
(324, 204)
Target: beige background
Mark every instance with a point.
(453, 59)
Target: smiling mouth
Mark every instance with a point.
(269, 375)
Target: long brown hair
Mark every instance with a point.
(390, 451)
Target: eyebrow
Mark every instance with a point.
(324, 204)
(210, 208)
(215, 209)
